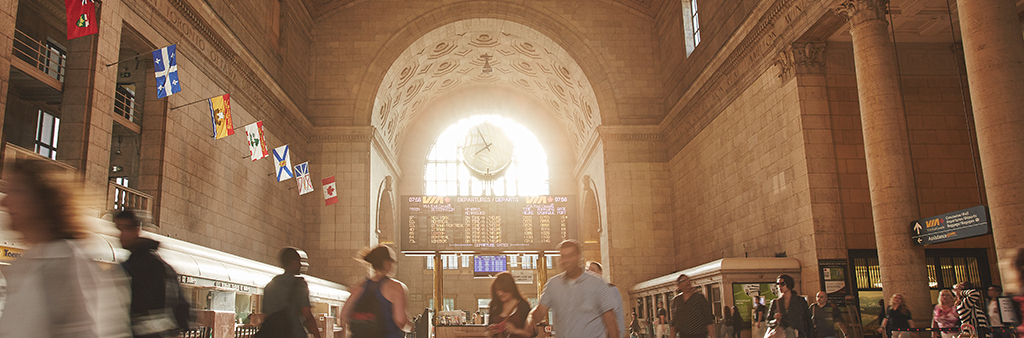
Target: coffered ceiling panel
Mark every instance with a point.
(480, 51)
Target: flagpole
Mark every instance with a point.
(194, 102)
(137, 56)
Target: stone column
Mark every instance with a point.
(8, 12)
(994, 54)
(87, 111)
(887, 152)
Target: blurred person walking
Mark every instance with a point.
(508, 309)
(757, 318)
(612, 294)
(570, 294)
(54, 289)
(691, 312)
(286, 300)
(158, 307)
(995, 318)
(944, 315)
(789, 312)
(737, 322)
(380, 302)
(897, 316)
(728, 323)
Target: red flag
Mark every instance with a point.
(330, 190)
(81, 18)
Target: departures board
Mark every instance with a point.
(502, 223)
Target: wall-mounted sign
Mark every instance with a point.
(523, 276)
(203, 282)
(9, 254)
(486, 223)
(952, 226)
(832, 273)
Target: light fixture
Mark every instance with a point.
(116, 168)
(487, 64)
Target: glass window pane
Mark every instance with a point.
(56, 131)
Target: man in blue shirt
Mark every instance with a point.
(580, 310)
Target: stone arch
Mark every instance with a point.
(448, 20)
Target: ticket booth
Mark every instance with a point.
(727, 281)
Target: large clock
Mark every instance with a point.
(486, 149)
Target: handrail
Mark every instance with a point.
(14, 154)
(35, 53)
(128, 107)
(120, 197)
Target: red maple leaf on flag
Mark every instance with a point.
(330, 191)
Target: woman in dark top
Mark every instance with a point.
(897, 316)
(508, 309)
(789, 311)
(728, 324)
(392, 296)
(737, 322)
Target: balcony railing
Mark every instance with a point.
(36, 53)
(127, 107)
(121, 197)
(14, 154)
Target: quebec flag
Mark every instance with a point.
(166, 63)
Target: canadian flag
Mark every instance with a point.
(330, 190)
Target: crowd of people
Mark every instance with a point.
(56, 290)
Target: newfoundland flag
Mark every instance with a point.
(81, 18)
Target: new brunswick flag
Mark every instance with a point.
(257, 144)
(81, 18)
(220, 114)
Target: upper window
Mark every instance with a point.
(47, 127)
(486, 155)
(691, 25)
(696, 22)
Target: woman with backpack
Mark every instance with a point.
(379, 309)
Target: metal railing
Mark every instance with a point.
(246, 331)
(122, 198)
(127, 107)
(39, 55)
(202, 332)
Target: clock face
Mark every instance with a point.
(486, 149)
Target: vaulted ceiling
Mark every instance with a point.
(452, 57)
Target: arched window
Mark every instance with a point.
(486, 155)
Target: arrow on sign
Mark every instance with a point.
(917, 228)
(918, 241)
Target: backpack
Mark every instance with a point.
(367, 319)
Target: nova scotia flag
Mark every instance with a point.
(283, 163)
(166, 63)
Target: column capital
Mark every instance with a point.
(857, 11)
(801, 58)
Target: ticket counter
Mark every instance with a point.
(728, 281)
